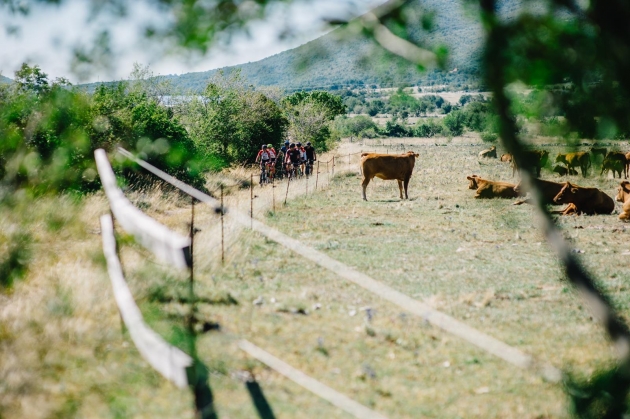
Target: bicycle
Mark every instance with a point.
(309, 168)
(263, 174)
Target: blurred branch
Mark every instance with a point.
(397, 45)
(600, 305)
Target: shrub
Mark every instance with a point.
(489, 137)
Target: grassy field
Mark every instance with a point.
(483, 262)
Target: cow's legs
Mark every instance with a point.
(400, 187)
(366, 181)
(406, 184)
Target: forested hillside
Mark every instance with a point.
(5, 79)
(340, 59)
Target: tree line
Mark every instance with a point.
(51, 128)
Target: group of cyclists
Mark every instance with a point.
(295, 160)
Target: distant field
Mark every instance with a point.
(482, 262)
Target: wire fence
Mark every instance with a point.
(175, 365)
(447, 323)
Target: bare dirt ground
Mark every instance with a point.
(483, 262)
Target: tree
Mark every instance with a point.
(231, 120)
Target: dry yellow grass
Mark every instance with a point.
(62, 353)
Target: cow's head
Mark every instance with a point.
(561, 158)
(473, 181)
(566, 194)
(414, 154)
(623, 192)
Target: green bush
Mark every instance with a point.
(489, 137)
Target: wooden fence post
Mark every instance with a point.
(251, 200)
(191, 285)
(222, 232)
(317, 176)
(287, 193)
(333, 166)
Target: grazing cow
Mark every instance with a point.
(491, 152)
(533, 159)
(388, 167)
(584, 200)
(507, 157)
(623, 196)
(563, 171)
(581, 159)
(548, 189)
(598, 152)
(616, 162)
(491, 189)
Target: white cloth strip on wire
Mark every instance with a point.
(167, 245)
(437, 318)
(168, 360)
(332, 396)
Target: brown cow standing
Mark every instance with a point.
(491, 189)
(388, 167)
(616, 162)
(581, 159)
(623, 196)
(491, 152)
(548, 189)
(584, 200)
(533, 159)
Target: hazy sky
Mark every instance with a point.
(48, 35)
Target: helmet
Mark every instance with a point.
(269, 145)
(286, 143)
(299, 144)
(308, 143)
(264, 146)
(292, 145)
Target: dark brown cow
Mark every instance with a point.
(623, 196)
(581, 159)
(595, 152)
(491, 189)
(584, 200)
(507, 157)
(388, 167)
(491, 152)
(548, 189)
(616, 162)
(533, 159)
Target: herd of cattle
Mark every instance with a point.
(578, 199)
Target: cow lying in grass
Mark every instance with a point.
(623, 196)
(581, 200)
(563, 171)
(388, 167)
(507, 157)
(548, 189)
(491, 189)
(491, 152)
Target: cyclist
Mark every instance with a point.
(311, 157)
(292, 159)
(302, 156)
(283, 152)
(263, 157)
(272, 161)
